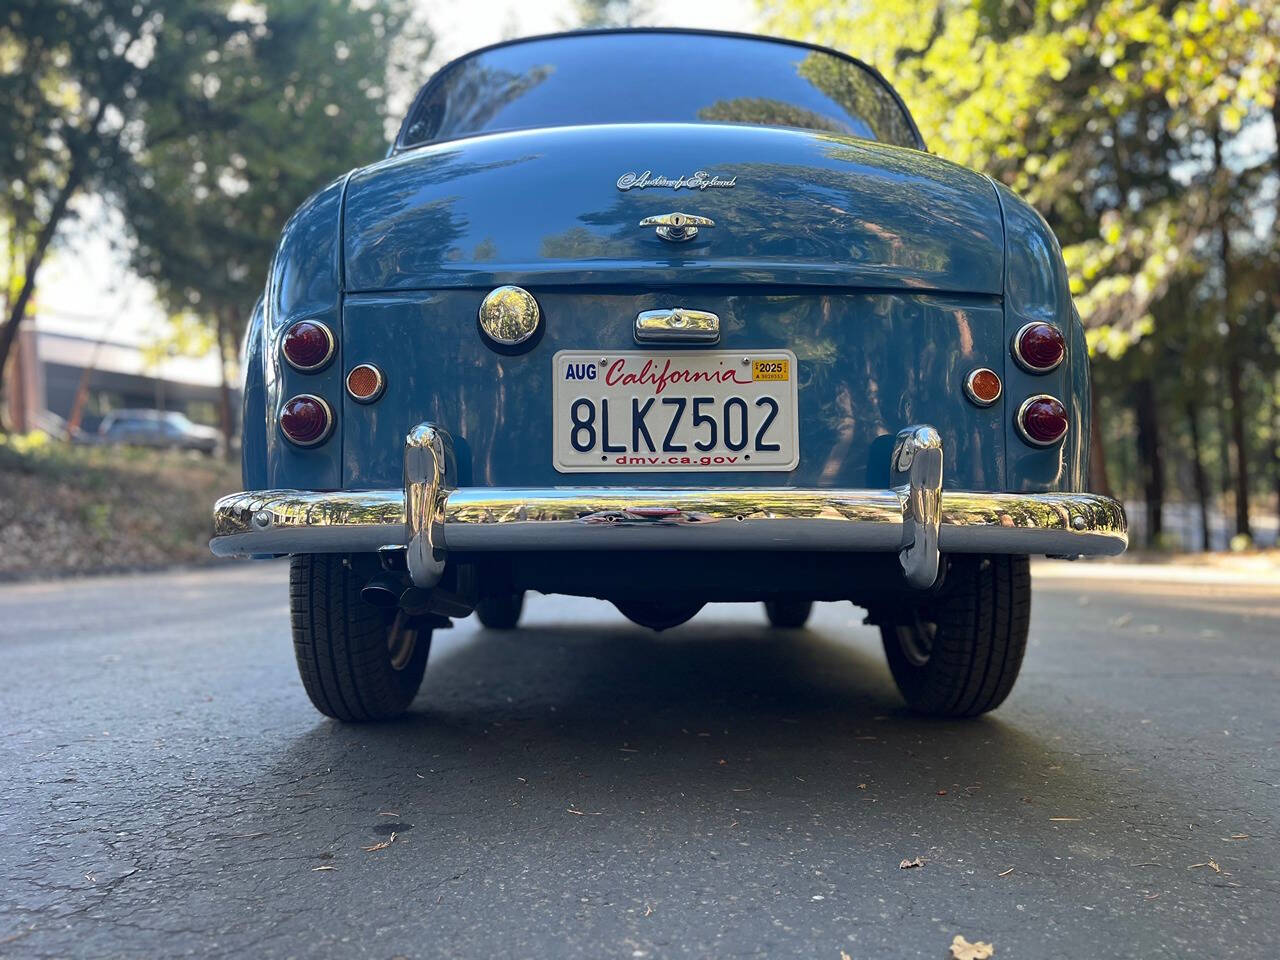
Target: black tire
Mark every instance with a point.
(958, 653)
(358, 662)
(502, 612)
(788, 614)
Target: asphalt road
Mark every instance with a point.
(585, 788)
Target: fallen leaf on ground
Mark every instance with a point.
(962, 949)
(381, 846)
(908, 864)
(1210, 864)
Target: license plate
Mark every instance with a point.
(694, 411)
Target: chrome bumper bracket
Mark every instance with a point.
(917, 460)
(429, 474)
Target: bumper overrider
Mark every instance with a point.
(430, 517)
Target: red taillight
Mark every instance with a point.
(1042, 420)
(307, 345)
(306, 420)
(1039, 347)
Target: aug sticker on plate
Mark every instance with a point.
(674, 411)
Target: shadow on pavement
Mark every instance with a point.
(706, 726)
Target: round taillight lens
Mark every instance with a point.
(1042, 420)
(983, 386)
(365, 383)
(307, 345)
(1039, 347)
(306, 420)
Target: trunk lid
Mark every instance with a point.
(549, 206)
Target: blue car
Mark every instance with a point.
(667, 318)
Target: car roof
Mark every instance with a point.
(425, 89)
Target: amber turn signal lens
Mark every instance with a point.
(306, 420)
(1042, 420)
(365, 383)
(983, 386)
(307, 345)
(1039, 347)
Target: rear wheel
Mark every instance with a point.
(958, 653)
(357, 661)
(502, 612)
(788, 614)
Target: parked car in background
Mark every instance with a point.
(725, 332)
(159, 429)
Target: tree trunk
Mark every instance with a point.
(1235, 364)
(1198, 475)
(224, 319)
(1275, 445)
(75, 173)
(1149, 455)
(18, 307)
(1236, 389)
(1099, 481)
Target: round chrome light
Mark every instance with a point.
(1042, 420)
(1039, 347)
(306, 420)
(307, 345)
(982, 386)
(365, 383)
(509, 315)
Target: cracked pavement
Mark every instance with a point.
(586, 788)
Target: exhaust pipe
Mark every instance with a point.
(384, 591)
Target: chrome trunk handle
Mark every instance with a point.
(677, 325)
(677, 227)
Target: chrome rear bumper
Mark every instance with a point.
(430, 517)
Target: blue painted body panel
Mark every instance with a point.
(305, 283)
(1036, 289)
(253, 393)
(869, 363)
(889, 272)
(543, 206)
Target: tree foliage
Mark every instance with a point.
(1144, 132)
(205, 121)
(306, 100)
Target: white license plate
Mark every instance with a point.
(680, 410)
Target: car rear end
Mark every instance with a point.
(667, 363)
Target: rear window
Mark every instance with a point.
(656, 77)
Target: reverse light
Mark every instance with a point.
(982, 386)
(307, 345)
(1039, 347)
(306, 420)
(1042, 420)
(365, 383)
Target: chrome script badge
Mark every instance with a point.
(700, 180)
